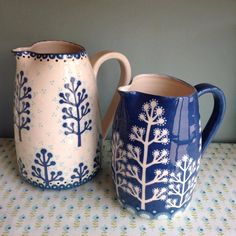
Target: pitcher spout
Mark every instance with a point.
(21, 50)
(123, 90)
(56, 47)
(51, 50)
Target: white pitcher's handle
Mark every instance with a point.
(125, 76)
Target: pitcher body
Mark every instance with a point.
(57, 122)
(157, 145)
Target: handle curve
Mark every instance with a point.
(125, 76)
(217, 114)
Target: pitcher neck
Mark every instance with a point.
(51, 50)
(159, 85)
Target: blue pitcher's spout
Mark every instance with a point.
(124, 90)
(145, 84)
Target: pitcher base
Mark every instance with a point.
(61, 186)
(147, 215)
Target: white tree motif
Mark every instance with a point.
(182, 182)
(152, 115)
(118, 161)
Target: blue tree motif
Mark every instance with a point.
(22, 94)
(97, 158)
(76, 110)
(80, 172)
(21, 165)
(43, 160)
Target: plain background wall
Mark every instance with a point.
(192, 40)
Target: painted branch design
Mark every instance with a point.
(152, 116)
(97, 159)
(76, 110)
(118, 161)
(21, 165)
(22, 105)
(182, 182)
(41, 168)
(81, 172)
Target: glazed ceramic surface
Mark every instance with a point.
(157, 143)
(56, 113)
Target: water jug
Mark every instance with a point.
(157, 143)
(57, 121)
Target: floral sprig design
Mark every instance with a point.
(41, 169)
(118, 161)
(182, 182)
(81, 172)
(76, 109)
(152, 116)
(21, 165)
(22, 105)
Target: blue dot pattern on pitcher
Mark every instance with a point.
(21, 104)
(76, 109)
(53, 56)
(143, 173)
(45, 176)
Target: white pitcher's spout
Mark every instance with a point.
(21, 49)
(51, 47)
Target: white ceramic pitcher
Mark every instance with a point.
(57, 122)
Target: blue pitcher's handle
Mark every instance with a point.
(217, 113)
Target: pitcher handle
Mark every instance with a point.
(125, 76)
(217, 114)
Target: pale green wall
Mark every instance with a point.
(192, 40)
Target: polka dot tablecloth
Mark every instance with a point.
(92, 209)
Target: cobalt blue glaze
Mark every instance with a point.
(217, 114)
(156, 148)
(51, 56)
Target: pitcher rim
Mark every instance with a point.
(170, 77)
(26, 50)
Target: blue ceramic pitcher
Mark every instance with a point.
(157, 143)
